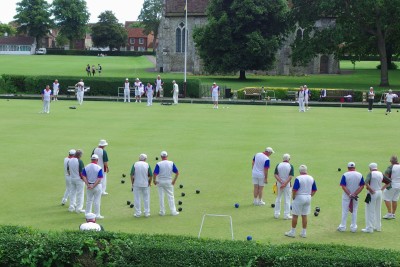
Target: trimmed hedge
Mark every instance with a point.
(73, 52)
(21, 246)
(99, 86)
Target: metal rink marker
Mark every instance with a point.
(216, 215)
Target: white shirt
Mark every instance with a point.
(46, 95)
(304, 184)
(395, 176)
(376, 180)
(261, 161)
(90, 226)
(214, 90)
(389, 97)
(164, 170)
(126, 86)
(92, 172)
(56, 87)
(176, 88)
(141, 174)
(352, 180)
(66, 160)
(81, 86)
(99, 152)
(284, 170)
(74, 168)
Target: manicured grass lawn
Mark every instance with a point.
(364, 76)
(213, 150)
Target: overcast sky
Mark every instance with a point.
(124, 10)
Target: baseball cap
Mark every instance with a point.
(142, 157)
(103, 143)
(126, 79)
(351, 164)
(373, 165)
(270, 150)
(72, 152)
(164, 154)
(90, 216)
(94, 156)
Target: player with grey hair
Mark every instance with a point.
(175, 92)
(92, 175)
(391, 193)
(373, 183)
(259, 172)
(141, 179)
(284, 173)
(304, 188)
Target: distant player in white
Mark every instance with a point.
(90, 224)
(306, 96)
(46, 98)
(352, 183)
(389, 101)
(103, 163)
(284, 173)
(149, 93)
(92, 175)
(158, 83)
(141, 178)
(75, 167)
(56, 90)
(127, 91)
(301, 97)
(304, 188)
(67, 176)
(391, 193)
(175, 92)
(260, 166)
(138, 95)
(215, 94)
(373, 183)
(80, 91)
(162, 178)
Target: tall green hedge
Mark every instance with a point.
(99, 86)
(20, 246)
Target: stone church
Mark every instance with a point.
(171, 43)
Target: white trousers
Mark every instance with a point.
(67, 188)
(373, 211)
(149, 99)
(168, 189)
(77, 194)
(175, 97)
(286, 193)
(127, 95)
(93, 197)
(301, 104)
(46, 106)
(139, 194)
(79, 96)
(104, 182)
(345, 211)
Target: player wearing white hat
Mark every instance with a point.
(162, 177)
(260, 166)
(141, 178)
(215, 92)
(46, 98)
(80, 91)
(90, 224)
(284, 172)
(352, 183)
(92, 175)
(67, 176)
(103, 163)
(127, 91)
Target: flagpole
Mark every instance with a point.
(186, 46)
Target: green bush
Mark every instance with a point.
(391, 66)
(20, 246)
(95, 53)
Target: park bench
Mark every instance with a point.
(291, 95)
(340, 94)
(252, 92)
(72, 89)
(121, 92)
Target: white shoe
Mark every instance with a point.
(388, 216)
(79, 211)
(147, 215)
(290, 234)
(341, 229)
(99, 217)
(161, 213)
(256, 203)
(353, 230)
(63, 202)
(288, 217)
(303, 235)
(104, 193)
(261, 202)
(71, 209)
(175, 213)
(136, 215)
(367, 231)
(276, 216)
(378, 229)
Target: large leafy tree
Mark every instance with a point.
(6, 28)
(34, 18)
(361, 27)
(150, 17)
(71, 16)
(241, 35)
(108, 32)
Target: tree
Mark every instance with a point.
(150, 17)
(108, 32)
(6, 28)
(71, 17)
(241, 35)
(33, 18)
(361, 27)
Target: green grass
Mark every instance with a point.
(364, 76)
(213, 150)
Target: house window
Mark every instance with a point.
(180, 38)
(141, 48)
(131, 40)
(141, 41)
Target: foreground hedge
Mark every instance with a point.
(20, 246)
(99, 86)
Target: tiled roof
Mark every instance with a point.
(177, 7)
(136, 32)
(17, 40)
